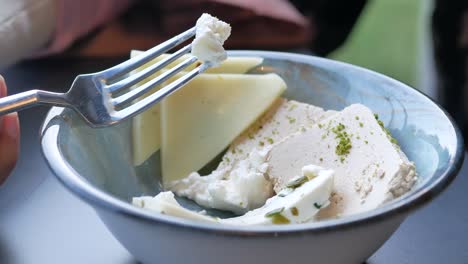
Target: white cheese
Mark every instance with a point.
(201, 120)
(165, 203)
(237, 189)
(293, 206)
(209, 39)
(281, 120)
(373, 172)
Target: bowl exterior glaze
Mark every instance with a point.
(151, 243)
(95, 164)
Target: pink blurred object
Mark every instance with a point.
(278, 9)
(252, 20)
(78, 18)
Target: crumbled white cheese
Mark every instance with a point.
(165, 203)
(211, 33)
(297, 205)
(238, 189)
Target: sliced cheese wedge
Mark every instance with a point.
(146, 126)
(202, 119)
(146, 136)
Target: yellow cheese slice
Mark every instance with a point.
(146, 126)
(200, 120)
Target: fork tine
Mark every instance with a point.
(147, 102)
(133, 63)
(141, 75)
(135, 93)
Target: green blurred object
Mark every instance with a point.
(387, 39)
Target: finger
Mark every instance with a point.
(3, 92)
(9, 145)
(3, 89)
(9, 138)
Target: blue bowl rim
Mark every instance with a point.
(399, 207)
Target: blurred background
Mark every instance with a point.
(44, 44)
(422, 43)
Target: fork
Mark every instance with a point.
(107, 97)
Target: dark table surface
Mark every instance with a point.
(41, 222)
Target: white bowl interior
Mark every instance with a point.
(103, 157)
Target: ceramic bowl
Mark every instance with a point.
(96, 165)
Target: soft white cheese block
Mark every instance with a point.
(146, 135)
(292, 206)
(202, 119)
(209, 39)
(165, 203)
(281, 120)
(374, 171)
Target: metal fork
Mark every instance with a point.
(105, 98)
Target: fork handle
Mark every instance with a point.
(20, 101)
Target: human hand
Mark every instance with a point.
(9, 139)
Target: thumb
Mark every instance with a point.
(9, 142)
(9, 139)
